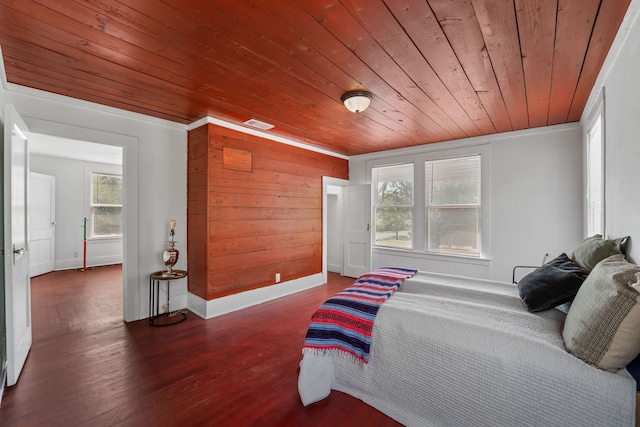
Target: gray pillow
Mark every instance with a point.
(603, 324)
(594, 249)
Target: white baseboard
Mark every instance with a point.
(334, 268)
(71, 263)
(197, 305)
(219, 306)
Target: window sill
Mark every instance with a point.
(411, 253)
(104, 239)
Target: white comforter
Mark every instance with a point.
(453, 351)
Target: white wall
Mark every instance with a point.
(71, 208)
(535, 204)
(620, 82)
(155, 173)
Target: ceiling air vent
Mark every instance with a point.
(258, 124)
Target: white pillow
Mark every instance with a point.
(603, 324)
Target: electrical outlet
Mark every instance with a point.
(75, 254)
(165, 307)
(277, 277)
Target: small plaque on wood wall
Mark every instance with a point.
(239, 160)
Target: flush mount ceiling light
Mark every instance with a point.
(357, 100)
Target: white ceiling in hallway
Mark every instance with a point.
(53, 146)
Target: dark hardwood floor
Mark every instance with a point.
(88, 367)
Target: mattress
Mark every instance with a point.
(452, 351)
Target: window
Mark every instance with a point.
(106, 205)
(432, 204)
(453, 205)
(393, 205)
(595, 178)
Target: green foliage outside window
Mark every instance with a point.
(394, 206)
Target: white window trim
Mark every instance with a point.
(374, 206)
(419, 194)
(89, 170)
(477, 206)
(598, 228)
(597, 111)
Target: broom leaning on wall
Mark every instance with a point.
(84, 245)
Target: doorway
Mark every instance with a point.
(332, 218)
(78, 224)
(334, 229)
(132, 302)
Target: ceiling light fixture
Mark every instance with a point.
(357, 100)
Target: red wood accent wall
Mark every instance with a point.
(244, 227)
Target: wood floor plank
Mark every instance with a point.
(88, 367)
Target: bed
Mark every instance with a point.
(453, 351)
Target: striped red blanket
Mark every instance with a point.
(344, 322)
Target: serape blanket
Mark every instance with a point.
(344, 322)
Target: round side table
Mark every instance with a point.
(168, 318)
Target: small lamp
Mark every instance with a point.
(170, 255)
(357, 100)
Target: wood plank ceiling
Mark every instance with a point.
(438, 69)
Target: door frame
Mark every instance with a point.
(326, 181)
(133, 304)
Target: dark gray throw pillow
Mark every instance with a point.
(552, 284)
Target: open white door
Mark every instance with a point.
(16, 253)
(42, 223)
(357, 244)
